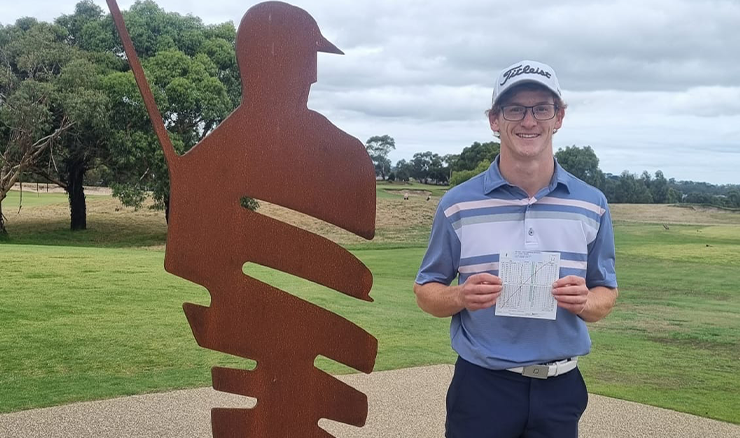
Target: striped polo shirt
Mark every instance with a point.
(486, 216)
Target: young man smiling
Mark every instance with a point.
(517, 377)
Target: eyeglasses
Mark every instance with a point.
(515, 113)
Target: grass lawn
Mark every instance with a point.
(387, 189)
(12, 201)
(674, 338)
(91, 315)
(89, 323)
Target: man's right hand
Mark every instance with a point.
(480, 291)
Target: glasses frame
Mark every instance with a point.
(531, 109)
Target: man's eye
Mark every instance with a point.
(516, 109)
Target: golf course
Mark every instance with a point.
(92, 314)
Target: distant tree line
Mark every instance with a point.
(630, 188)
(626, 188)
(426, 167)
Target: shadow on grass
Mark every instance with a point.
(105, 232)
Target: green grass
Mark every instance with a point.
(108, 226)
(56, 232)
(387, 189)
(82, 322)
(90, 323)
(30, 199)
(674, 338)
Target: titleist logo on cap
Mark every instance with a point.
(526, 70)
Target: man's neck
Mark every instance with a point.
(531, 176)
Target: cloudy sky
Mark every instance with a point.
(650, 84)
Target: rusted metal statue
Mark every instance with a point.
(272, 148)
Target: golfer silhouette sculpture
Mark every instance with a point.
(272, 148)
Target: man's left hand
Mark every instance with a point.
(571, 293)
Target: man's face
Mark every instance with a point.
(527, 138)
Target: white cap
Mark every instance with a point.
(523, 72)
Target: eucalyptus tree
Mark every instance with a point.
(378, 147)
(55, 112)
(191, 68)
(583, 163)
(35, 108)
(471, 156)
(426, 166)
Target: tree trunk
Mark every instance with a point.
(76, 193)
(167, 209)
(3, 231)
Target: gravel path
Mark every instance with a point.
(406, 403)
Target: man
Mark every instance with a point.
(517, 376)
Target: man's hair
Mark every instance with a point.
(527, 86)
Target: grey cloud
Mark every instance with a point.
(421, 103)
(649, 82)
(713, 101)
(656, 45)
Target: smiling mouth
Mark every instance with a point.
(527, 135)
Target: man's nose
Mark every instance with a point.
(529, 119)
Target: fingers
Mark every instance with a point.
(478, 302)
(571, 293)
(570, 290)
(570, 280)
(571, 299)
(480, 291)
(484, 278)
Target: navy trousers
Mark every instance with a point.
(483, 403)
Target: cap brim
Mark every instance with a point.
(323, 45)
(525, 81)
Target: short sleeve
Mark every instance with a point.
(601, 255)
(442, 259)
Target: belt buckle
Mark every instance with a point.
(536, 371)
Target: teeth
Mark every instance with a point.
(527, 135)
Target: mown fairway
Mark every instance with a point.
(93, 314)
(674, 338)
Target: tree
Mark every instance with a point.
(35, 108)
(582, 163)
(420, 166)
(733, 199)
(473, 155)
(84, 148)
(403, 170)
(439, 172)
(193, 74)
(87, 46)
(659, 188)
(378, 147)
(673, 196)
(610, 188)
(449, 161)
(426, 166)
(81, 146)
(698, 198)
(461, 176)
(631, 190)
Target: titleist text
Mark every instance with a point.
(519, 70)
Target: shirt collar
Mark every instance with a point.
(493, 178)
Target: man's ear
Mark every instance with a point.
(559, 118)
(493, 121)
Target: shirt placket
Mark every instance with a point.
(531, 240)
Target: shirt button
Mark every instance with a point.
(531, 232)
